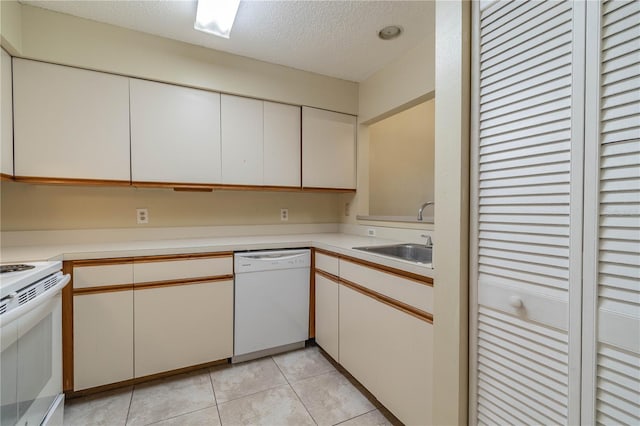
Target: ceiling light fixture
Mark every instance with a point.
(390, 32)
(216, 16)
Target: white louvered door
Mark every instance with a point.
(611, 344)
(526, 227)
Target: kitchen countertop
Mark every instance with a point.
(335, 242)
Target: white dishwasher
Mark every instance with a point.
(271, 302)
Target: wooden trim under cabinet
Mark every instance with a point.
(4, 176)
(421, 279)
(180, 186)
(101, 262)
(71, 181)
(318, 189)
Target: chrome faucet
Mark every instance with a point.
(422, 207)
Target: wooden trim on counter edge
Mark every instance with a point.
(327, 275)
(71, 181)
(67, 329)
(312, 297)
(4, 176)
(408, 309)
(102, 289)
(187, 281)
(185, 256)
(421, 279)
(69, 393)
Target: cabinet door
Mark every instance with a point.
(611, 346)
(6, 154)
(182, 325)
(328, 149)
(390, 352)
(175, 134)
(70, 123)
(327, 315)
(102, 338)
(281, 144)
(242, 140)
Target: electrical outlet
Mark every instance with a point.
(284, 215)
(142, 216)
(347, 209)
(371, 232)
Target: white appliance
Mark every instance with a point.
(271, 302)
(31, 344)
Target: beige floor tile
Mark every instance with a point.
(302, 364)
(238, 380)
(274, 407)
(331, 398)
(372, 418)
(207, 417)
(104, 409)
(170, 397)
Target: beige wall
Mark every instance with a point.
(68, 40)
(399, 84)
(44, 207)
(451, 212)
(401, 153)
(11, 25)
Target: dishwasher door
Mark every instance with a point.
(272, 305)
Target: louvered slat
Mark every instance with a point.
(523, 207)
(617, 398)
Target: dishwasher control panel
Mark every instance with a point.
(271, 260)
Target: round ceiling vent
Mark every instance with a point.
(390, 32)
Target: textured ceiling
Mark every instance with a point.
(335, 38)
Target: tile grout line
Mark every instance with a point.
(215, 398)
(355, 417)
(126, 420)
(294, 391)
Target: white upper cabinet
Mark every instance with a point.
(6, 155)
(70, 123)
(175, 134)
(328, 149)
(242, 140)
(281, 144)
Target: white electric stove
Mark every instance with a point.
(31, 343)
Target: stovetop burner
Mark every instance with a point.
(15, 268)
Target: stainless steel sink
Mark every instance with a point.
(408, 251)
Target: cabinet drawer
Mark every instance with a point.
(416, 294)
(150, 271)
(327, 263)
(102, 275)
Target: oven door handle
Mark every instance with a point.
(32, 304)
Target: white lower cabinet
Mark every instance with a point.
(182, 325)
(327, 315)
(102, 338)
(389, 352)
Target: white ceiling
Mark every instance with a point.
(335, 38)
